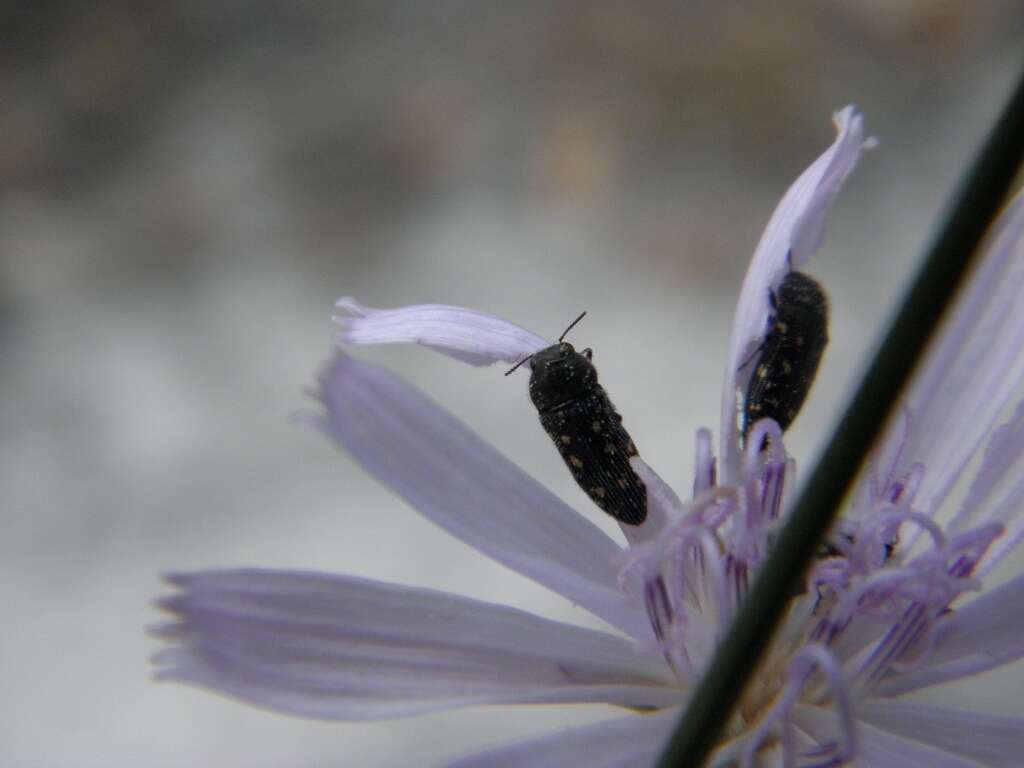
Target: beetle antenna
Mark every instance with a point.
(517, 364)
(572, 325)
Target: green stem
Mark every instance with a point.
(948, 261)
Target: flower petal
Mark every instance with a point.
(630, 742)
(457, 480)
(338, 647)
(974, 368)
(997, 491)
(792, 236)
(990, 739)
(473, 337)
(877, 747)
(985, 633)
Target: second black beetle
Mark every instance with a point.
(586, 429)
(790, 353)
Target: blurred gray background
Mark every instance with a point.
(186, 188)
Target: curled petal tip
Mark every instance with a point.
(349, 304)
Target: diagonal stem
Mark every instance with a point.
(948, 261)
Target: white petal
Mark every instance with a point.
(457, 480)
(997, 491)
(337, 647)
(875, 746)
(630, 742)
(990, 739)
(976, 366)
(792, 236)
(985, 633)
(468, 335)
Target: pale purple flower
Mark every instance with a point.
(900, 606)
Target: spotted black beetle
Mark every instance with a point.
(788, 358)
(586, 429)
